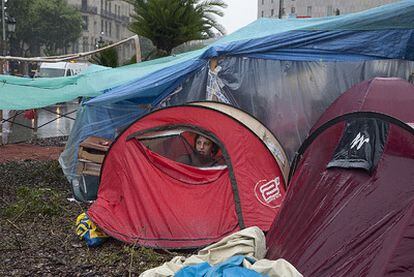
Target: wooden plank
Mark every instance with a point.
(96, 143)
(88, 168)
(91, 155)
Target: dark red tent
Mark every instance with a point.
(146, 197)
(349, 209)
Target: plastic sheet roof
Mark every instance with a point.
(382, 33)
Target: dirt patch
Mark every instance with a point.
(37, 224)
(23, 151)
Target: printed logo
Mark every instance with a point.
(268, 192)
(359, 140)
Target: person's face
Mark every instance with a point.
(204, 146)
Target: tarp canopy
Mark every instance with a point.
(381, 33)
(284, 72)
(352, 192)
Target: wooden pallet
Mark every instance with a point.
(91, 155)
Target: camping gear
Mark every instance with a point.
(247, 246)
(349, 210)
(284, 72)
(91, 155)
(146, 197)
(88, 231)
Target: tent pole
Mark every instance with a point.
(35, 124)
(1, 127)
(137, 49)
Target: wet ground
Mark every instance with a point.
(50, 124)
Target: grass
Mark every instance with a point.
(37, 226)
(34, 201)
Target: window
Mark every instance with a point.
(309, 10)
(106, 27)
(75, 47)
(106, 5)
(110, 28)
(292, 10)
(110, 7)
(102, 25)
(272, 1)
(85, 44)
(118, 33)
(262, 13)
(272, 12)
(262, 2)
(84, 5)
(329, 10)
(85, 22)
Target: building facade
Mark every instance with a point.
(104, 22)
(314, 8)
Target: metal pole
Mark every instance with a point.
(2, 66)
(3, 22)
(281, 4)
(1, 127)
(137, 49)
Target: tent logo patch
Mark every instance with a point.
(359, 140)
(268, 192)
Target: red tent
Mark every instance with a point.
(349, 210)
(146, 197)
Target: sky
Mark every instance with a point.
(238, 14)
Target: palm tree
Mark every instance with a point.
(169, 23)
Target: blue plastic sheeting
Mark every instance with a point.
(307, 48)
(154, 86)
(386, 32)
(100, 120)
(231, 267)
(325, 45)
(107, 120)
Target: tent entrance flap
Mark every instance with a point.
(188, 175)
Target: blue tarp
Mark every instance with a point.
(386, 32)
(317, 55)
(231, 267)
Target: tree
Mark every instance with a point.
(107, 57)
(169, 23)
(52, 24)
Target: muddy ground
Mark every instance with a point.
(37, 228)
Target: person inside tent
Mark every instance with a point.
(204, 154)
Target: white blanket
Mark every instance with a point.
(247, 242)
